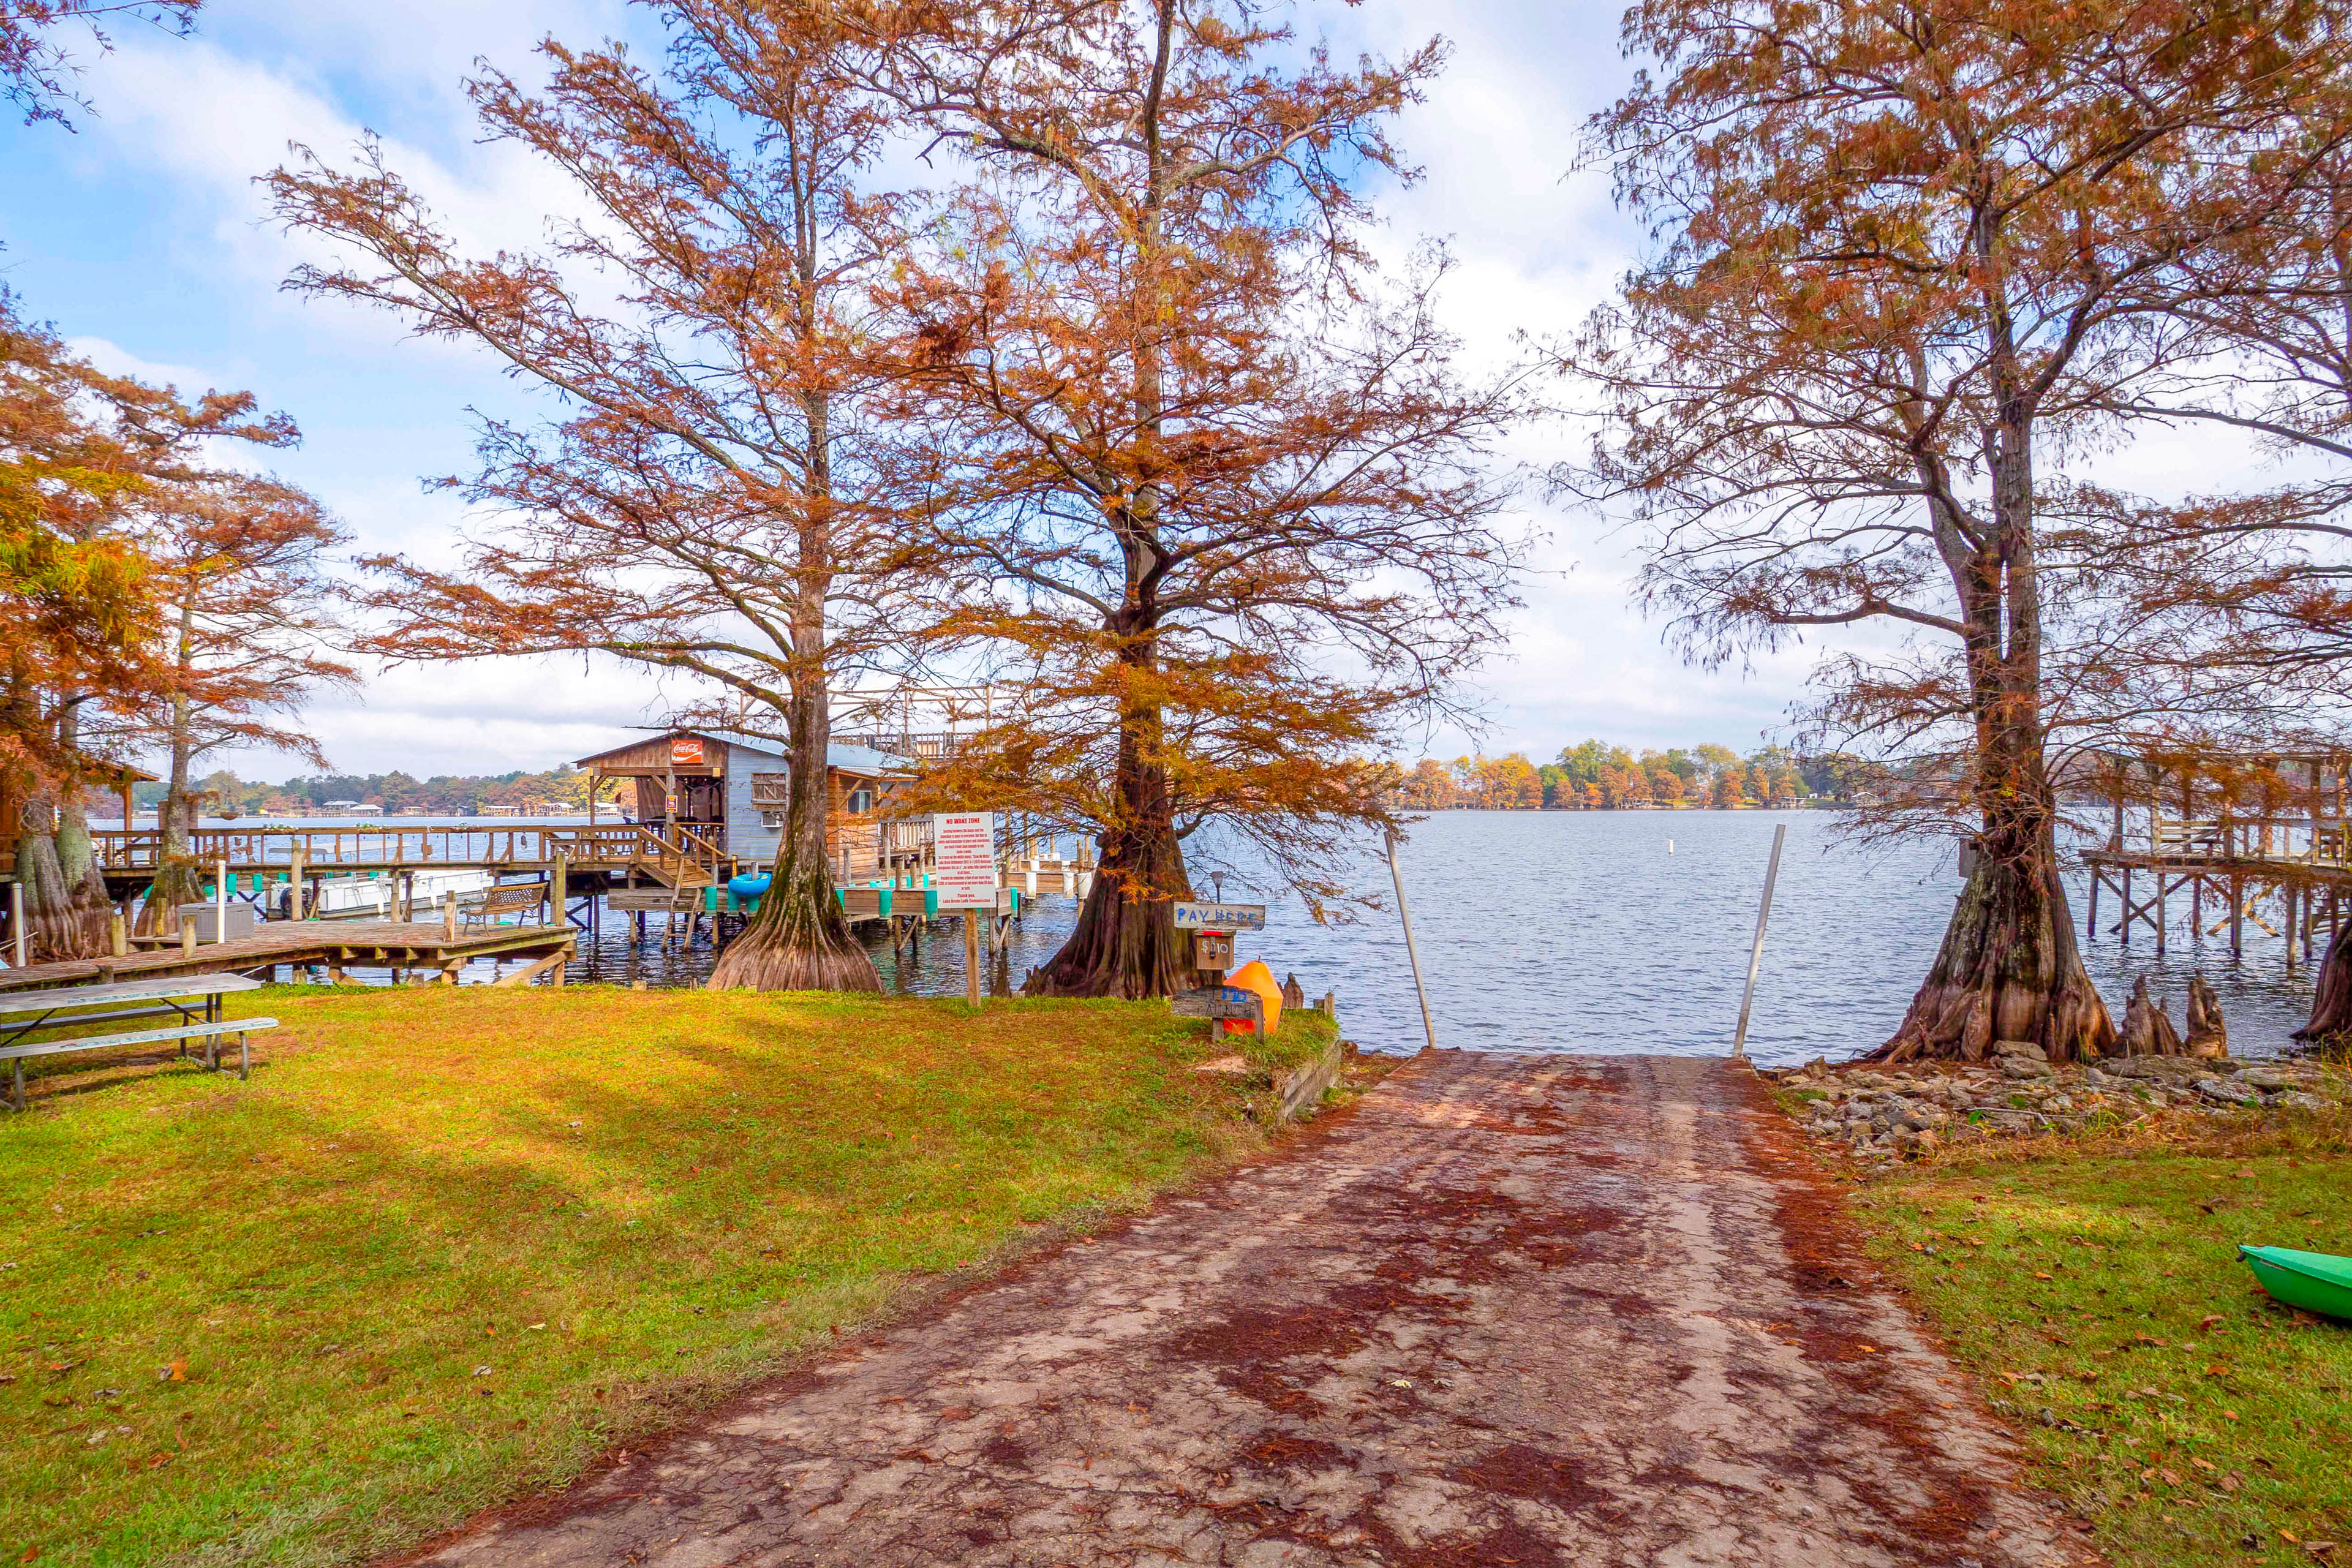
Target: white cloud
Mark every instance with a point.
(1538, 247)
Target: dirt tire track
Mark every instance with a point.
(1511, 1309)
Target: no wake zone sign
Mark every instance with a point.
(965, 869)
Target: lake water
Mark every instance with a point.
(1579, 931)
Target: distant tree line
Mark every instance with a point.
(560, 789)
(1596, 776)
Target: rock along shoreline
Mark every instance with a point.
(1883, 1114)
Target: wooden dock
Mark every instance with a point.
(331, 945)
(673, 857)
(2219, 894)
(2226, 841)
(623, 853)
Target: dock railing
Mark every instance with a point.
(619, 845)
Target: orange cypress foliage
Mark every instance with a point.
(1915, 260)
(715, 497)
(36, 71)
(89, 462)
(245, 618)
(1222, 498)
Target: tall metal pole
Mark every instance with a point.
(1411, 952)
(1756, 953)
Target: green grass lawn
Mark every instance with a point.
(447, 1245)
(2091, 1285)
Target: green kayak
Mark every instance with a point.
(2315, 1281)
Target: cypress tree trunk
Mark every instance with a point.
(799, 940)
(2331, 1002)
(1125, 942)
(65, 904)
(2009, 968)
(177, 879)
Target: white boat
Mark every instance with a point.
(364, 897)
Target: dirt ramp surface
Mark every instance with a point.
(1509, 1310)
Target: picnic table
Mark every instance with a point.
(195, 1000)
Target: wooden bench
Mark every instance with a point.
(2190, 837)
(211, 1033)
(512, 899)
(194, 1000)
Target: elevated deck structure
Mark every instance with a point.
(2227, 843)
(673, 857)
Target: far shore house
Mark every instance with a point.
(726, 788)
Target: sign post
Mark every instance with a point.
(965, 876)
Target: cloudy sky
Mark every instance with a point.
(143, 240)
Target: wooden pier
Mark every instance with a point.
(620, 854)
(409, 947)
(559, 876)
(2227, 844)
(629, 850)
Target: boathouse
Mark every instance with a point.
(728, 788)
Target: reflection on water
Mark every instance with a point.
(931, 965)
(1581, 931)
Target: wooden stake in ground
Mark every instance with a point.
(1755, 953)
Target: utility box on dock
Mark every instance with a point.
(207, 919)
